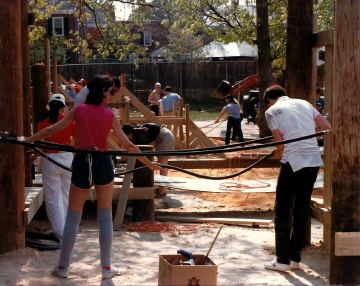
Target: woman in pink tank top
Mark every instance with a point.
(93, 124)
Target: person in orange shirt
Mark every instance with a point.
(56, 181)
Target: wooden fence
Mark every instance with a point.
(192, 81)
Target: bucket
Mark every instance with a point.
(222, 90)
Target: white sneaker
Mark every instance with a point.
(294, 265)
(274, 265)
(63, 273)
(111, 273)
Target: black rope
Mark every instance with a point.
(186, 150)
(163, 153)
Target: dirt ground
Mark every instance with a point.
(239, 251)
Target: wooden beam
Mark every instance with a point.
(322, 215)
(47, 64)
(40, 99)
(116, 105)
(135, 194)
(34, 198)
(123, 198)
(345, 201)
(324, 38)
(243, 162)
(187, 126)
(54, 74)
(231, 221)
(347, 244)
(299, 51)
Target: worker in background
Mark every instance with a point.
(161, 106)
(300, 162)
(168, 101)
(161, 138)
(56, 180)
(70, 89)
(154, 98)
(320, 99)
(234, 119)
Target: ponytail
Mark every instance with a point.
(54, 111)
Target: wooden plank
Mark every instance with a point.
(231, 221)
(123, 198)
(322, 215)
(54, 77)
(68, 98)
(47, 64)
(163, 120)
(195, 143)
(135, 194)
(347, 244)
(34, 197)
(324, 38)
(317, 202)
(116, 105)
(243, 162)
(187, 126)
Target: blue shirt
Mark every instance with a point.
(322, 102)
(168, 100)
(71, 93)
(233, 110)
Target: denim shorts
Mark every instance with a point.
(102, 172)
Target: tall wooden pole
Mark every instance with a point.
(299, 52)
(12, 179)
(47, 63)
(264, 59)
(54, 76)
(345, 205)
(27, 101)
(40, 97)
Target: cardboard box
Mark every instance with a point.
(171, 272)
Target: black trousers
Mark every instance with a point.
(293, 191)
(155, 108)
(235, 124)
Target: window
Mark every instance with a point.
(147, 38)
(58, 26)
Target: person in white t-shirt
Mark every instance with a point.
(289, 118)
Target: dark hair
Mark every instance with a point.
(96, 86)
(273, 92)
(168, 88)
(318, 90)
(53, 113)
(116, 82)
(128, 128)
(231, 98)
(162, 93)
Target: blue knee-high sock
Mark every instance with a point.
(69, 237)
(105, 235)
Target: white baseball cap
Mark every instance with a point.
(58, 97)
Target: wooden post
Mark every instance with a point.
(12, 179)
(329, 62)
(27, 102)
(181, 130)
(143, 209)
(39, 93)
(175, 108)
(47, 63)
(345, 203)
(298, 77)
(187, 125)
(126, 113)
(54, 75)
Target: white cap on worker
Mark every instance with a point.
(157, 84)
(58, 97)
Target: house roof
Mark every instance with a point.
(218, 49)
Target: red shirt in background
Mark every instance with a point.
(62, 137)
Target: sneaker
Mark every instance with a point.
(274, 265)
(111, 273)
(63, 273)
(294, 265)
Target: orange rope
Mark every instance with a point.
(155, 227)
(214, 127)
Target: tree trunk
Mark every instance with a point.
(27, 102)
(12, 179)
(299, 82)
(345, 206)
(264, 60)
